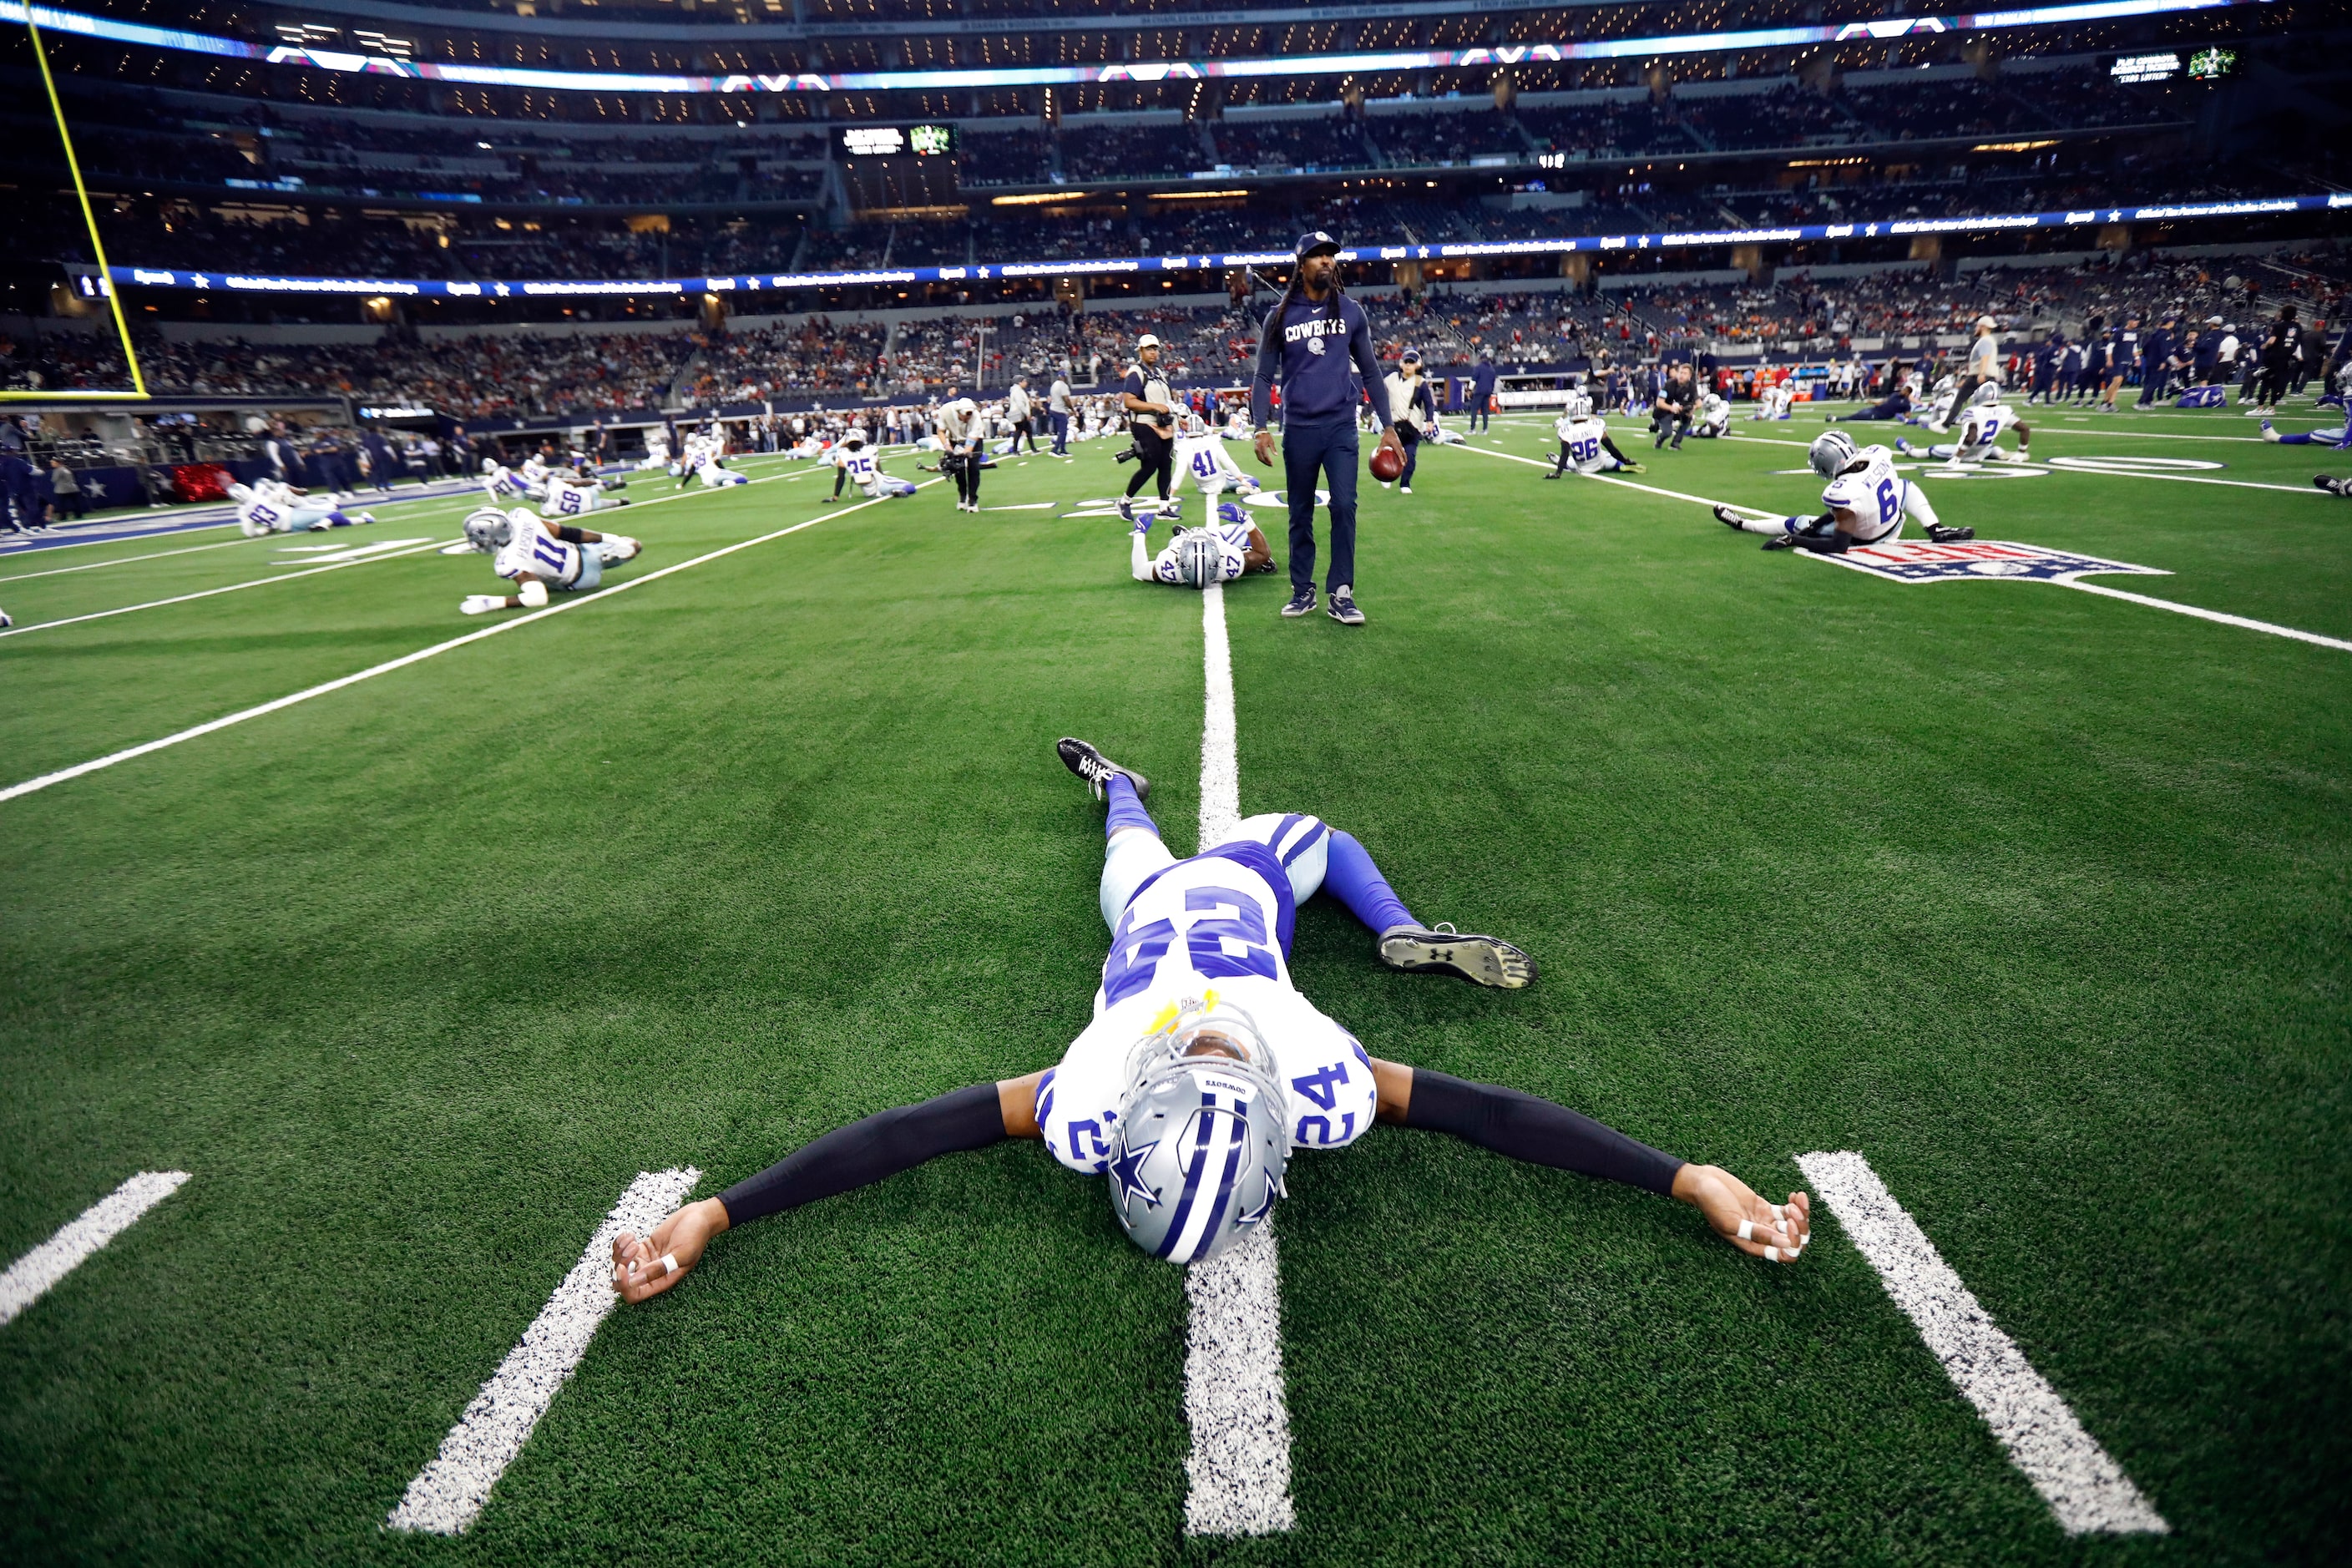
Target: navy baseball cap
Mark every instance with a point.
(1410, 356)
(1315, 244)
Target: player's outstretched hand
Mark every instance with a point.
(646, 1266)
(1264, 447)
(1778, 1232)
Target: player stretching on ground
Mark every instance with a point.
(1584, 443)
(1205, 1066)
(2340, 437)
(1980, 427)
(273, 506)
(853, 465)
(1866, 498)
(1197, 557)
(1201, 457)
(539, 557)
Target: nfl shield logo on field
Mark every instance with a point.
(1916, 561)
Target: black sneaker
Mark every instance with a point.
(1098, 770)
(1343, 607)
(1302, 602)
(1938, 534)
(1442, 950)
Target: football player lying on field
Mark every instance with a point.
(1866, 498)
(538, 556)
(1205, 1066)
(1197, 557)
(273, 506)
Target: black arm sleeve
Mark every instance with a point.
(1537, 1130)
(864, 1152)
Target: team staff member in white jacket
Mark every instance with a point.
(1016, 409)
(1415, 410)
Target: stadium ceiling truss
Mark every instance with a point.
(1890, 28)
(745, 283)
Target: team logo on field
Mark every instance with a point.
(1916, 561)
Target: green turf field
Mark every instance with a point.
(2040, 900)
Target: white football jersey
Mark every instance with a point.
(1581, 435)
(1204, 459)
(863, 468)
(534, 552)
(1713, 414)
(1980, 427)
(569, 500)
(1215, 923)
(1232, 550)
(1872, 492)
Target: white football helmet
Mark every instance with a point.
(1579, 404)
(1831, 453)
(1203, 1132)
(489, 530)
(1199, 558)
(1195, 425)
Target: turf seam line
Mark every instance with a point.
(263, 709)
(30, 1277)
(123, 560)
(230, 588)
(1239, 1467)
(2084, 1485)
(2217, 616)
(448, 1494)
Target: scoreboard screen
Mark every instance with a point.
(895, 140)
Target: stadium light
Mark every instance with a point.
(1127, 72)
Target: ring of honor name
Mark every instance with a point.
(1978, 560)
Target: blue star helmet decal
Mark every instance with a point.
(1123, 1168)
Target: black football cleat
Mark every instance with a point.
(1781, 542)
(1730, 519)
(1442, 950)
(1098, 770)
(1938, 534)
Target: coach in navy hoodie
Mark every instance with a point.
(1319, 344)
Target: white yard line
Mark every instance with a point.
(557, 608)
(448, 1494)
(123, 560)
(2217, 616)
(1233, 1399)
(31, 1276)
(209, 593)
(2083, 1485)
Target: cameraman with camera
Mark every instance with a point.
(1151, 422)
(959, 428)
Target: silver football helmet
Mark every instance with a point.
(489, 530)
(1985, 396)
(1831, 453)
(1204, 1134)
(1579, 404)
(1199, 558)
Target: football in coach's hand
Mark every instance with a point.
(1387, 464)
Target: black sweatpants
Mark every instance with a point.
(1154, 454)
(968, 478)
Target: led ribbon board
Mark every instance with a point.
(1886, 28)
(237, 282)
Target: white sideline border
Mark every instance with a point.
(46, 780)
(2084, 1485)
(30, 1277)
(1239, 1468)
(2220, 617)
(449, 1493)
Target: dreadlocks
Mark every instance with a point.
(1273, 336)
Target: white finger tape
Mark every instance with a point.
(1747, 1230)
(1772, 1255)
(669, 1262)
